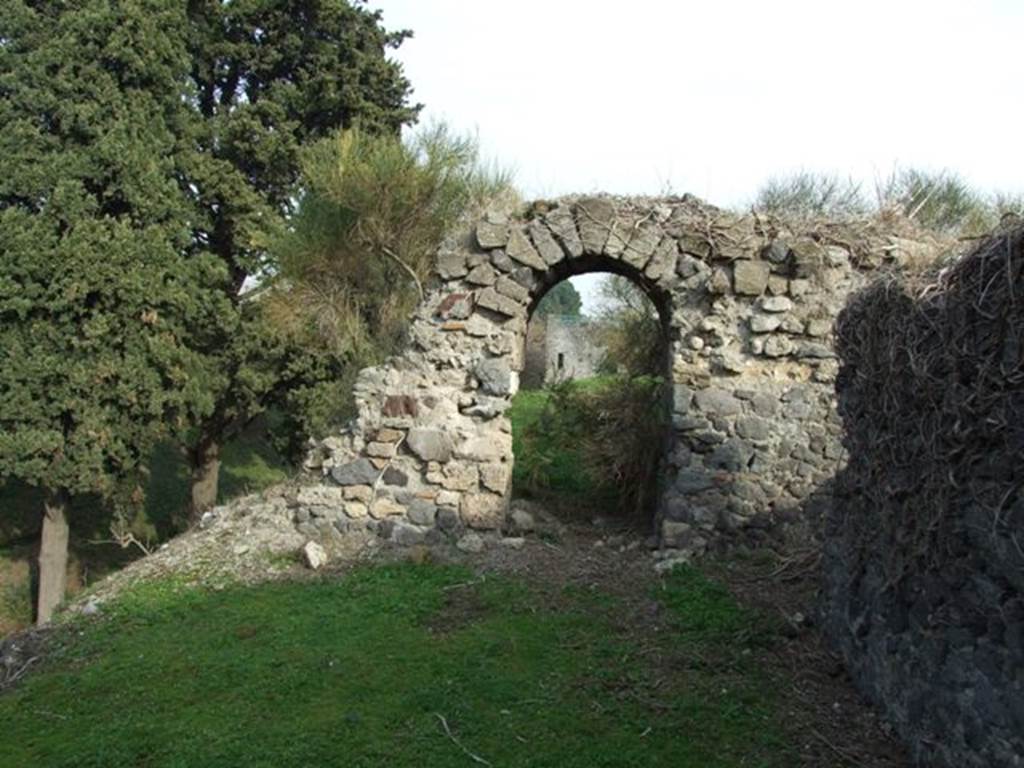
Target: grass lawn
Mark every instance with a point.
(401, 665)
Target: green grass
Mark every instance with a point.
(549, 462)
(249, 463)
(355, 673)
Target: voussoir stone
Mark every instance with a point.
(550, 251)
(563, 226)
(594, 217)
(522, 250)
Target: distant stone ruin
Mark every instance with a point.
(748, 305)
(561, 348)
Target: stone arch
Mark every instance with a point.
(747, 306)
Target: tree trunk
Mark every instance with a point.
(205, 461)
(53, 554)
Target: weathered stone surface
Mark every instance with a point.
(550, 251)
(471, 543)
(386, 435)
(521, 520)
(430, 444)
(753, 428)
(482, 275)
(594, 217)
(494, 301)
(485, 511)
(641, 245)
(720, 282)
(776, 304)
(765, 323)
(563, 226)
(422, 512)
(663, 261)
(521, 249)
(718, 401)
(451, 265)
(384, 507)
(488, 447)
(455, 306)
(380, 450)
(494, 375)
(405, 535)
(455, 476)
(358, 472)
(682, 398)
(356, 510)
(394, 476)
(750, 277)
(501, 260)
(319, 496)
(495, 477)
(314, 556)
(491, 235)
(358, 492)
(778, 346)
(506, 286)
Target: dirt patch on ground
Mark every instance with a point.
(828, 720)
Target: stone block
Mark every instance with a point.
(358, 492)
(594, 216)
(563, 227)
(490, 299)
(778, 346)
(314, 556)
(778, 285)
(682, 398)
(492, 235)
(383, 508)
(506, 286)
(495, 477)
(720, 282)
(405, 535)
(494, 375)
(482, 275)
(358, 472)
(718, 401)
(776, 304)
(380, 450)
(765, 323)
(642, 245)
(483, 511)
(662, 265)
(750, 278)
(521, 249)
(550, 251)
(455, 306)
(471, 543)
(491, 446)
(356, 510)
(452, 265)
(386, 435)
(430, 444)
(421, 512)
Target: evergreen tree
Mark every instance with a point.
(562, 299)
(269, 77)
(99, 298)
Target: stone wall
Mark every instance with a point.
(571, 349)
(748, 305)
(924, 556)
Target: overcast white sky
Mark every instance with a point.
(713, 97)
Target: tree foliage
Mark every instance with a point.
(268, 78)
(98, 304)
(373, 213)
(562, 299)
(629, 329)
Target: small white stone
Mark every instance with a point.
(314, 555)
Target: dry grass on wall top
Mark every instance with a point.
(931, 392)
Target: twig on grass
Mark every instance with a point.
(448, 732)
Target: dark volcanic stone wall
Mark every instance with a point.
(924, 560)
